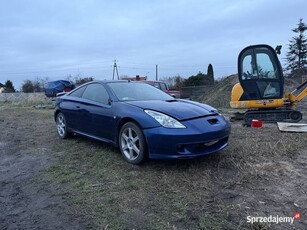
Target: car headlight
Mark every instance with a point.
(165, 120)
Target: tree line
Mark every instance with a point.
(8, 87)
(200, 78)
(39, 84)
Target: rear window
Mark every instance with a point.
(78, 92)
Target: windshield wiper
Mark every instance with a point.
(171, 100)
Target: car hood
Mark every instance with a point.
(179, 109)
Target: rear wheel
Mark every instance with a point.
(132, 143)
(61, 126)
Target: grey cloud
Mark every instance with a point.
(57, 38)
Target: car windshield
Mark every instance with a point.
(132, 91)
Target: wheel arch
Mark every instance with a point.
(124, 121)
(56, 112)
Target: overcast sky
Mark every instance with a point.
(56, 38)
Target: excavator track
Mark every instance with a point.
(268, 116)
(273, 116)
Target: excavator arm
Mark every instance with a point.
(296, 99)
(302, 95)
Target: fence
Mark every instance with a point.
(195, 91)
(22, 97)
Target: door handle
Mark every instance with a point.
(77, 106)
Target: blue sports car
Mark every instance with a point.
(141, 120)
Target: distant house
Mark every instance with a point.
(2, 88)
(136, 78)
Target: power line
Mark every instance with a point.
(115, 69)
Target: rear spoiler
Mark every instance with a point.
(60, 94)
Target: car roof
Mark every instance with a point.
(114, 81)
(104, 82)
(154, 81)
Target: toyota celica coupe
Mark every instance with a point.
(143, 121)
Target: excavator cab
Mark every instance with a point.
(260, 74)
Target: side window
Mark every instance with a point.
(78, 92)
(265, 66)
(257, 66)
(247, 65)
(163, 86)
(97, 93)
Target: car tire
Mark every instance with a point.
(132, 143)
(62, 126)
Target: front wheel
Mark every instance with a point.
(132, 143)
(62, 127)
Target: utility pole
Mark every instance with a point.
(157, 73)
(115, 69)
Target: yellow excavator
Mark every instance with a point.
(261, 88)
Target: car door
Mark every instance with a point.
(98, 112)
(70, 106)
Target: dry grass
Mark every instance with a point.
(219, 95)
(253, 176)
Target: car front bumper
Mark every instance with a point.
(201, 137)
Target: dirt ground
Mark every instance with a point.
(25, 201)
(51, 184)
